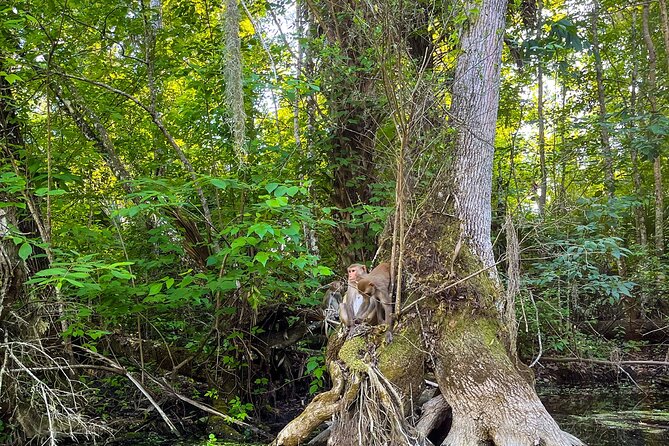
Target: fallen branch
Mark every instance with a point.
(434, 414)
(604, 361)
(122, 371)
(209, 409)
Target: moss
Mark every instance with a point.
(400, 355)
(402, 361)
(351, 353)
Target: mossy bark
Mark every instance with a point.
(491, 399)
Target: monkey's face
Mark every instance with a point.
(355, 272)
(368, 289)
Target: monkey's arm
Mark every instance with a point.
(346, 315)
(368, 311)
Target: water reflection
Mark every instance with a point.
(608, 416)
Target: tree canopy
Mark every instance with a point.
(181, 181)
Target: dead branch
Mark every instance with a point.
(604, 361)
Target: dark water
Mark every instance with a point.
(612, 415)
(599, 416)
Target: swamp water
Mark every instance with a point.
(612, 415)
(600, 416)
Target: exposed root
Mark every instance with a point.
(319, 410)
(376, 416)
(434, 413)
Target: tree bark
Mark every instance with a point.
(665, 28)
(353, 107)
(639, 214)
(491, 396)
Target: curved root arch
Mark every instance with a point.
(368, 400)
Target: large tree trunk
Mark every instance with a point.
(491, 397)
(451, 315)
(353, 106)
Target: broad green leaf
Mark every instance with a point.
(262, 257)
(25, 250)
(155, 288)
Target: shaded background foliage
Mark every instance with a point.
(127, 255)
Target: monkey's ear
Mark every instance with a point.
(364, 268)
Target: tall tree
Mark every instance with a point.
(609, 182)
(451, 313)
(651, 91)
(541, 136)
(639, 214)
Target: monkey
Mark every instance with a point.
(374, 287)
(353, 300)
(332, 299)
(331, 304)
(369, 311)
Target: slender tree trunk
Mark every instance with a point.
(234, 92)
(665, 28)
(152, 24)
(639, 214)
(92, 128)
(657, 161)
(609, 181)
(541, 138)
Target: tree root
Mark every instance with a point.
(434, 413)
(319, 410)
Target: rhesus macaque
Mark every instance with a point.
(353, 300)
(369, 311)
(332, 299)
(375, 287)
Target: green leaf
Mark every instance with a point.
(277, 202)
(261, 229)
(121, 274)
(262, 257)
(324, 271)
(96, 334)
(280, 191)
(51, 272)
(169, 282)
(42, 191)
(11, 78)
(221, 184)
(155, 288)
(300, 262)
(25, 250)
(75, 282)
(271, 186)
